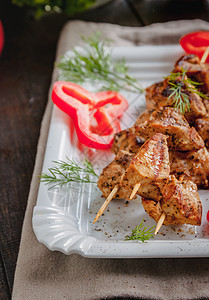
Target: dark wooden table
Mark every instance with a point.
(25, 72)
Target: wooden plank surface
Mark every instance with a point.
(152, 11)
(25, 72)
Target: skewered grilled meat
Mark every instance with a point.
(167, 121)
(195, 70)
(157, 97)
(191, 165)
(127, 140)
(149, 168)
(111, 175)
(180, 201)
(199, 72)
(142, 166)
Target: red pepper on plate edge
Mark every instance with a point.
(195, 43)
(95, 116)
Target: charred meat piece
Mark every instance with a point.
(149, 168)
(195, 70)
(127, 140)
(157, 97)
(206, 104)
(169, 122)
(202, 127)
(180, 201)
(153, 209)
(111, 175)
(166, 121)
(191, 165)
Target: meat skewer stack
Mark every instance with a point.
(163, 157)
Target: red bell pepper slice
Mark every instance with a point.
(195, 43)
(95, 116)
(207, 216)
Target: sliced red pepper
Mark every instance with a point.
(207, 216)
(195, 43)
(95, 116)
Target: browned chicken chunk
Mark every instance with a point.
(180, 202)
(127, 140)
(167, 121)
(149, 168)
(195, 70)
(157, 97)
(111, 175)
(202, 127)
(191, 165)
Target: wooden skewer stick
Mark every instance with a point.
(106, 203)
(160, 222)
(205, 55)
(134, 191)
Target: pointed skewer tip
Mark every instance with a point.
(107, 201)
(205, 55)
(160, 222)
(135, 190)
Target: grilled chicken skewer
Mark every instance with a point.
(196, 70)
(205, 55)
(136, 174)
(147, 171)
(180, 204)
(188, 156)
(157, 97)
(191, 165)
(168, 121)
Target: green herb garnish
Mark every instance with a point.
(141, 233)
(68, 7)
(95, 64)
(180, 85)
(69, 171)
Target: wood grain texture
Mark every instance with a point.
(26, 66)
(4, 289)
(152, 11)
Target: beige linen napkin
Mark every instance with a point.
(42, 274)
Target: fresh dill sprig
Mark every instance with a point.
(180, 86)
(141, 233)
(68, 171)
(94, 64)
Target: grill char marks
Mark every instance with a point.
(111, 175)
(180, 201)
(167, 121)
(157, 97)
(150, 167)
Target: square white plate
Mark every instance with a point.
(63, 218)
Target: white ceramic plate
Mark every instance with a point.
(63, 218)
